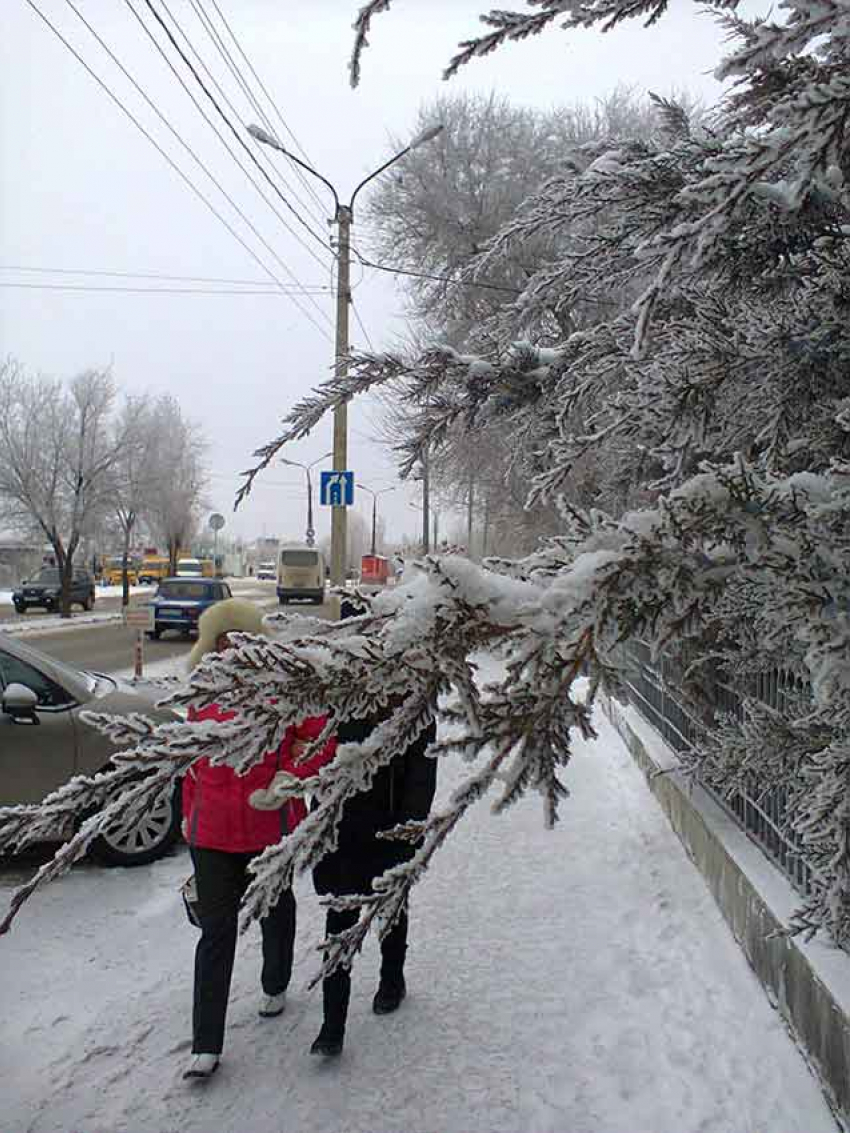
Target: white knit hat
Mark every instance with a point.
(233, 614)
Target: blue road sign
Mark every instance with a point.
(336, 489)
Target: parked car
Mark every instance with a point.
(45, 590)
(267, 572)
(179, 602)
(44, 742)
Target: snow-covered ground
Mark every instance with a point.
(576, 980)
(100, 592)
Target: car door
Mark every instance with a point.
(35, 758)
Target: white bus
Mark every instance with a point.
(300, 574)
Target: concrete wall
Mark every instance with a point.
(812, 997)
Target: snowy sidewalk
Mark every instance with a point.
(575, 981)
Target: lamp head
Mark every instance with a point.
(427, 136)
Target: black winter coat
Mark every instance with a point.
(401, 791)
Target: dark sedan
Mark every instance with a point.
(179, 602)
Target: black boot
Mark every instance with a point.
(389, 995)
(328, 1042)
(336, 990)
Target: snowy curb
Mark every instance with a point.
(56, 625)
(809, 984)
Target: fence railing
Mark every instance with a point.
(653, 686)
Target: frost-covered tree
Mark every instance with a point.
(177, 457)
(138, 478)
(722, 394)
(59, 446)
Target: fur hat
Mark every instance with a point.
(232, 614)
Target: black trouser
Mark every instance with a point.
(336, 989)
(222, 880)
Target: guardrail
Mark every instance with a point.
(763, 815)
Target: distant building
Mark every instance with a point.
(18, 559)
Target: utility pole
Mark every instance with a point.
(339, 514)
(374, 495)
(426, 504)
(343, 217)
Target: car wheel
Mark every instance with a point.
(154, 633)
(20, 609)
(88, 602)
(283, 601)
(151, 839)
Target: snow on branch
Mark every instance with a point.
(658, 573)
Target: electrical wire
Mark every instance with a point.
(183, 176)
(155, 275)
(308, 185)
(236, 134)
(437, 278)
(273, 293)
(361, 325)
(212, 33)
(223, 141)
(319, 217)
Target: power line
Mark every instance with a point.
(236, 134)
(223, 141)
(310, 188)
(155, 275)
(243, 84)
(183, 176)
(437, 278)
(362, 327)
(274, 294)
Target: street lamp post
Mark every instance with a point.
(343, 218)
(430, 516)
(374, 496)
(310, 534)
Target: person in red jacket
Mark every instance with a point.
(225, 833)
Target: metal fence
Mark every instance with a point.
(654, 687)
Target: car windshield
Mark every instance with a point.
(48, 575)
(299, 558)
(79, 683)
(186, 590)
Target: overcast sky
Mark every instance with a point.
(83, 189)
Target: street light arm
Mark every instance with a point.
(267, 139)
(421, 140)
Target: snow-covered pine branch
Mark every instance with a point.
(658, 574)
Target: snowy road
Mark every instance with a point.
(575, 981)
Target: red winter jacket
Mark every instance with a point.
(217, 813)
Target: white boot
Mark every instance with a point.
(202, 1066)
(272, 1005)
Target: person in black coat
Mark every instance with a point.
(401, 791)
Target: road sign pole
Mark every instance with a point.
(139, 654)
(339, 515)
